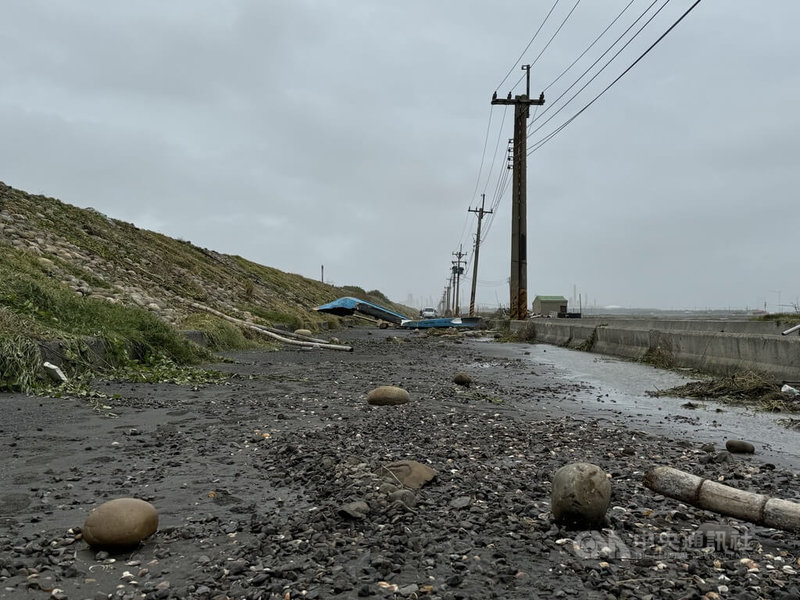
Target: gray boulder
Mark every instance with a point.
(581, 495)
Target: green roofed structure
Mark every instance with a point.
(549, 305)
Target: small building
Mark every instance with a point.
(548, 306)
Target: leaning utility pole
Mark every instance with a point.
(519, 225)
(480, 212)
(458, 270)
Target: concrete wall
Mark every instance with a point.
(710, 346)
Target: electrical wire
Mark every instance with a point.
(549, 137)
(514, 66)
(616, 54)
(488, 177)
(502, 180)
(589, 47)
(496, 148)
(483, 154)
(552, 37)
(547, 45)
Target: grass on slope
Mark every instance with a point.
(34, 308)
(38, 305)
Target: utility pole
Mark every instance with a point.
(458, 270)
(519, 224)
(480, 212)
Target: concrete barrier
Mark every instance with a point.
(712, 347)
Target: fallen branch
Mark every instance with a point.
(266, 331)
(723, 499)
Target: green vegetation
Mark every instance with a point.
(788, 318)
(36, 308)
(77, 280)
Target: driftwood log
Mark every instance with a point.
(723, 499)
(269, 332)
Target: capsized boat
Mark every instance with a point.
(347, 306)
(470, 322)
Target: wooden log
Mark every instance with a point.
(723, 499)
(268, 333)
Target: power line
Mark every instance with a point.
(483, 155)
(489, 175)
(496, 147)
(589, 47)
(610, 85)
(599, 58)
(617, 53)
(569, 14)
(511, 70)
(552, 37)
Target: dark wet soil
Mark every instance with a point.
(249, 479)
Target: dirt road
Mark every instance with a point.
(249, 479)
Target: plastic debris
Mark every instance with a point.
(55, 373)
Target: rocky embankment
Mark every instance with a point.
(100, 257)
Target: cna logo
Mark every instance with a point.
(711, 537)
(600, 544)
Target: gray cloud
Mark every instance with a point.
(305, 133)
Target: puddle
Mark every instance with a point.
(616, 390)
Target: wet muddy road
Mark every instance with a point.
(250, 478)
(616, 390)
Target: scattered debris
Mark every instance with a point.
(408, 473)
(789, 390)
(723, 499)
(55, 373)
(745, 388)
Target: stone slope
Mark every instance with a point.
(98, 256)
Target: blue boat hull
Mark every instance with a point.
(347, 306)
(461, 322)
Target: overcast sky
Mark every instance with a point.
(351, 134)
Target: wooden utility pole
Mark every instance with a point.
(519, 224)
(480, 212)
(458, 270)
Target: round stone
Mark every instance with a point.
(581, 495)
(462, 379)
(306, 332)
(739, 447)
(388, 395)
(120, 523)
(410, 474)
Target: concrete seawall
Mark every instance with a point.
(715, 347)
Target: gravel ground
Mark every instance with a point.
(250, 479)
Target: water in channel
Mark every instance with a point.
(616, 390)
